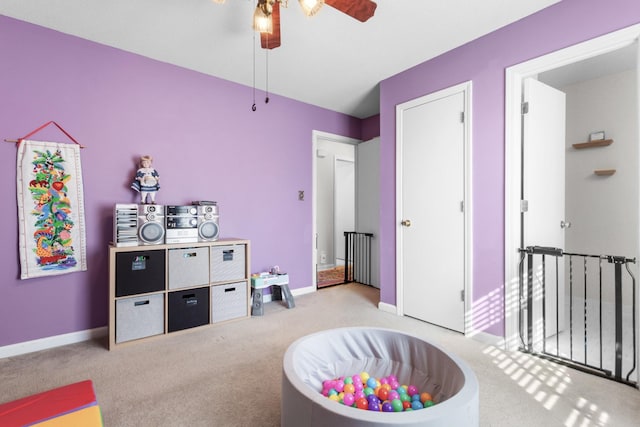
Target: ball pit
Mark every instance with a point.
(335, 355)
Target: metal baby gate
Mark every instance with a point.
(591, 326)
(357, 250)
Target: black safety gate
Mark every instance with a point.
(357, 257)
(590, 323)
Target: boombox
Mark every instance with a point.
(208, 225)
(150, 224)
(181, 224)
(125, 225)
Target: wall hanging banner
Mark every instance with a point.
(50, 209)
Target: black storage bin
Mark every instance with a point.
(139, 272)
(188, 309)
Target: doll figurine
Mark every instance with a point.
(147, 181)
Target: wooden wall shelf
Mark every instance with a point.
(604, 172)
(591, 144)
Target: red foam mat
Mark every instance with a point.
(48, 404)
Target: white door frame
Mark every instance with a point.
(336, 244)
(315, 136)
(468, 235)
(513, 130)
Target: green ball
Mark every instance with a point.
(397, 405)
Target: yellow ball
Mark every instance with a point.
(364, 376)
(334, 397)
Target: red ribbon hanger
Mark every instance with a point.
(33, 132)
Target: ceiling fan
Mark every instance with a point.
(266, 19)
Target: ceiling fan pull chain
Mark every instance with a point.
(253, 107)
(266, 99)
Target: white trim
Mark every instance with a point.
(513, 96)
(52, 342)
(315, 136)
(465, 87)
(387, 308)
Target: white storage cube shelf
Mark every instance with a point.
(222, 266)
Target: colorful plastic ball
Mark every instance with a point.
(339, 386)
(375, 406)
(372, 398)
(356, 379)
(416, 404)
(349, 388)
(348, 380)
(334, 397)
(359, 394)
(367, 391)
(386, 386)
(387, 407)
(412, 389)
(406, 404)
(405, 397)
(402, 389)
(384, 380)
(348, 399)
(394, 385)
(358, 386)
(424, 396)
(383, 394)
(415, 397)
(428, 403)
(364, 376)
(362, 403)
(392, 378)
(397, 405)
(393, 395)
(371, 382)
(333, 392)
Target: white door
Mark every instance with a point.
(344, 205)
(543, 178)
(432, 210)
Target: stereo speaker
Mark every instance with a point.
(208, 223)
(125, 225)
(151, 224)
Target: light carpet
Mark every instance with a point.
(230, 374)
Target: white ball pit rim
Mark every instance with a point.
(381, 352)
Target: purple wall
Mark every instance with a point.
(371, 127)
(484, 61)
(207, 145)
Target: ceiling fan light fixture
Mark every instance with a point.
(311, 7)
(218, 1)
(262, 21)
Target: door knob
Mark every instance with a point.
(406, 222)
(565, 224)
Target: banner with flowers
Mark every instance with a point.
(50, 209)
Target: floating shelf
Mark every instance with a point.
(596, 143)
(604, 172)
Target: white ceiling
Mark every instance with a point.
(329, 60)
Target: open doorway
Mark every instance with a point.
(600, 81)
(334, 204)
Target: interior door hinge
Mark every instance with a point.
(524, 206)
(462, 206)
(525, 107)
(462, 295)
(462, 117)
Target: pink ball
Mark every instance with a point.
(339, 386)
(393, 395)
(394, 385)
(384, 380)
(411, 390)
(348, 399)
(359, 394)
(358, 386)
(392, 378)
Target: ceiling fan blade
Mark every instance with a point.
(271, 41)
(361, 10)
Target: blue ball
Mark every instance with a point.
(416, 404)
(371, 382)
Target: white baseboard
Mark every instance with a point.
(388, 308)
(51, 342)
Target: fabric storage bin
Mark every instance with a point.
(188, 267)
(227, 263)
(139, 272)
(139, 317)
(229, 301)
(188, 309)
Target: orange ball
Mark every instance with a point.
(349, 388)
(425, 396)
